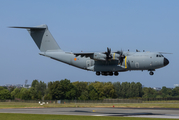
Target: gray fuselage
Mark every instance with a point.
(133, 61)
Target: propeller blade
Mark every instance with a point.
(121, 57)
(108, 53)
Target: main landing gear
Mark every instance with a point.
(107, 73)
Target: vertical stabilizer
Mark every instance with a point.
(42, 37)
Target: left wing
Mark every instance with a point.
(97, 56)
(104, 56)
(84, 55)
(94, 56)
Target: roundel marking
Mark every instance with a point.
(75, 59)
(137, 65)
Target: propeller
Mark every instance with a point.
(108, 53)
(121, 56)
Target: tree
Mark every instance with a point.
(61, 90)
(84, 96)
(37, 89)
(149, 93)
(99, 89)
(25, 94)
(166, 92)
(117, 87)
(93, 95)
(139, 89)
(125, 92)
(175, 92)
(1, 88)
(135, 89)
(71, 95)
(15, 93)
(109, 90)
(11, 89)
(82, 89)
(33, 93)
(34, 83)
(4, 94)
(55, 90)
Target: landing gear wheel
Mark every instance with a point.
(104, 73)
(116, 73)
(98, 73)
(151, 73)
(111, 73)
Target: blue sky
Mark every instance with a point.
(91, 25)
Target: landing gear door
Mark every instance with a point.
(88, 63)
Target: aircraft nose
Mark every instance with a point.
(166, 62)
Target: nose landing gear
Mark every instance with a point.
(151, 73)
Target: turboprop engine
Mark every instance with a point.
(99, 56)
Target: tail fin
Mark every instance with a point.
(42, 37)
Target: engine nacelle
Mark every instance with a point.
(99, 56)
(115, 56)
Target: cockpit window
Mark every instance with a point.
(159, 56)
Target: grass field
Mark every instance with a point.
(11, 116)
(121, 105)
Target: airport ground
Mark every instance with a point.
(81, 111)
(87, 113)
(164, 104)
(12, 116)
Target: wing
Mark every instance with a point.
(97, 56)
(104, 56)
(84, 55)
(94, 56)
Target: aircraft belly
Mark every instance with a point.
(108, 68)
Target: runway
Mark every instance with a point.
(123, 112)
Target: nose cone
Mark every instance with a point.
(166, 62)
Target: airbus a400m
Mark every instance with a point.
(103, 63)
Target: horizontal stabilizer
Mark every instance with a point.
(41, 27)
(29, 28)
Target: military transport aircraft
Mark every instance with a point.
(103, 63)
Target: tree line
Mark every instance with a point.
(66, 90)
